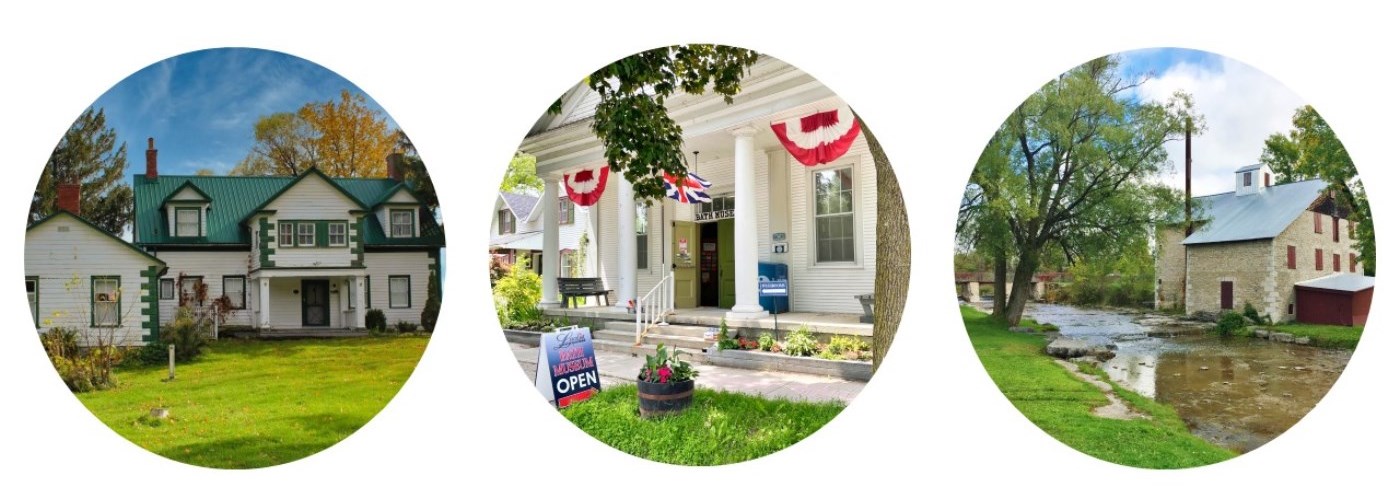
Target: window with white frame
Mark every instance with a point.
(186, 222)
(306, 234)
(834, 215)
(336, 234)
(234, 289)
(641, 226)
(167, 289)
(106, 300)
(284, 234)
(566, 210)
(401, 223)
(31, 286)
(399, 296)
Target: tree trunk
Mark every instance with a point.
(999, 285)
(1021, 286)
(892, 251)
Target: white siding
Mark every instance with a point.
(286, 302)
(212, 266)
(402, 196)
(66, 260)
(312, 199)
(333, 256)
(203, 216)
(380, 265)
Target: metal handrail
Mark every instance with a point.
(653, 307)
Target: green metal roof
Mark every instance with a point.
(234, 198)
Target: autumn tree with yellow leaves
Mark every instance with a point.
(344, 138)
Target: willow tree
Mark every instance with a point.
(1075, 168)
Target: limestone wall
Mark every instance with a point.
(1302, 236)
(1171, 267)
(1248, 264)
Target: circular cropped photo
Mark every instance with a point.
(233, 257)
(685, 254)
(1164, 258)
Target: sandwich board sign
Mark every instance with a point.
(566, 371)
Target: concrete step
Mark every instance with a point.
(630, 336)
(675, 330)
(689, 355)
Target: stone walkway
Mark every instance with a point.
(619, 368)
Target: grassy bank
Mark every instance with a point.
(1322, 335)
(719, 427)
(249, 404)
(1062, 405)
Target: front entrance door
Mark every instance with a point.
(684, 246)
(726, 263)
(315, 303)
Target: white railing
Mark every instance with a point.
(656, 304)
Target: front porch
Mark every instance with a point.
(825, 323)
(294, 303)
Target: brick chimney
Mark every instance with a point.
(151, 171)
(394, 162)
(70, 198)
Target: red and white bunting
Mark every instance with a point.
(585, 187)
(818, 138)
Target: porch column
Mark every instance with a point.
(359, 301)
(265, 302)
(745, 228)
(626, 241)
(549, 269)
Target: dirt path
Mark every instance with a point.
(1115, 409)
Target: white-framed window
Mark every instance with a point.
(641, 226)
(31, 287)
(167, 289)
(235, 290)
(505, 222)
(566, 210)
(400, 296)
(189, 290)
(187, 222)
(284, 234)
(834, 216)
(106, 300)
(337, 234)
(401, 223)
(306, 234)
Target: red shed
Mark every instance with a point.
(1336, 299)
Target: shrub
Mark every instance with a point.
(82, 370)
(433, 305)
(1230, 323)
(406, 327)
(765, 341)
(747, 344)
(375, 321)
(151, 354)
(1252, 314)
(726, 343)
(518, 292)
(800, 343)
(60, 342)
(845, 347)
(187, 334)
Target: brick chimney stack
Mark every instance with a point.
(394, 162)
(70, 198)
(151, 171)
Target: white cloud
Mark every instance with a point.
(1242, 107)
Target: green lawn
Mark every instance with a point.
(249, 404)
(718, 428)
(1323, 335)
(1062, 405)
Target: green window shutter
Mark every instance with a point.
(322, 233)
(368, 304)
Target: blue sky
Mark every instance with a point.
(1242, 107)
(200, 106)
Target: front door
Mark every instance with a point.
(315, 303)
(684, 246)
(726, 263)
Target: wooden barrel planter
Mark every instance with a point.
(655, 399)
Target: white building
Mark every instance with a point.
(517, 229)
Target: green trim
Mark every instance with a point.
(303, 176)
(368, 296)
(402, 186)
(409, 278)
(161, 285)
(198, 221)
(357, 242)
(320, 233)
(125, 243)
(344, 233)
(265, 249)
(223, 288)
(92, 299)
(150, 302)
(189, 184)
(412, 223)
(35, 279)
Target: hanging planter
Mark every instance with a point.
(666, 384)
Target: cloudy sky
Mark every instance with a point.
(1242, 107)
(200, 106)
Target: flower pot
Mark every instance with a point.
(656, 399)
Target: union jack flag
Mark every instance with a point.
(693, 189)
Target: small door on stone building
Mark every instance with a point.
(1227, 295)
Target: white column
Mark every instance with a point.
(745, 228)
(265, 302)
(626, 240)
(549, 269)
(359, 309)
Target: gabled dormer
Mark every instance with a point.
(397, 212)
(187, 212)
(1253, 179)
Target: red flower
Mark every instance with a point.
(664, 372)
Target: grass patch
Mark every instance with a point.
(718, 428)
(1323, 335)
(249, 404)
(1062, 405)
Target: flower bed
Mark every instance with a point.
(844, 356)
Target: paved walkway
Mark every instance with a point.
(620, 368)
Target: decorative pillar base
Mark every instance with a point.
(746, 312)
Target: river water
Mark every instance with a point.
(1236, 392)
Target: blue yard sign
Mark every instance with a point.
(773, 288)
(567, 371)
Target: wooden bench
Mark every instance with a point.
(582, 287)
